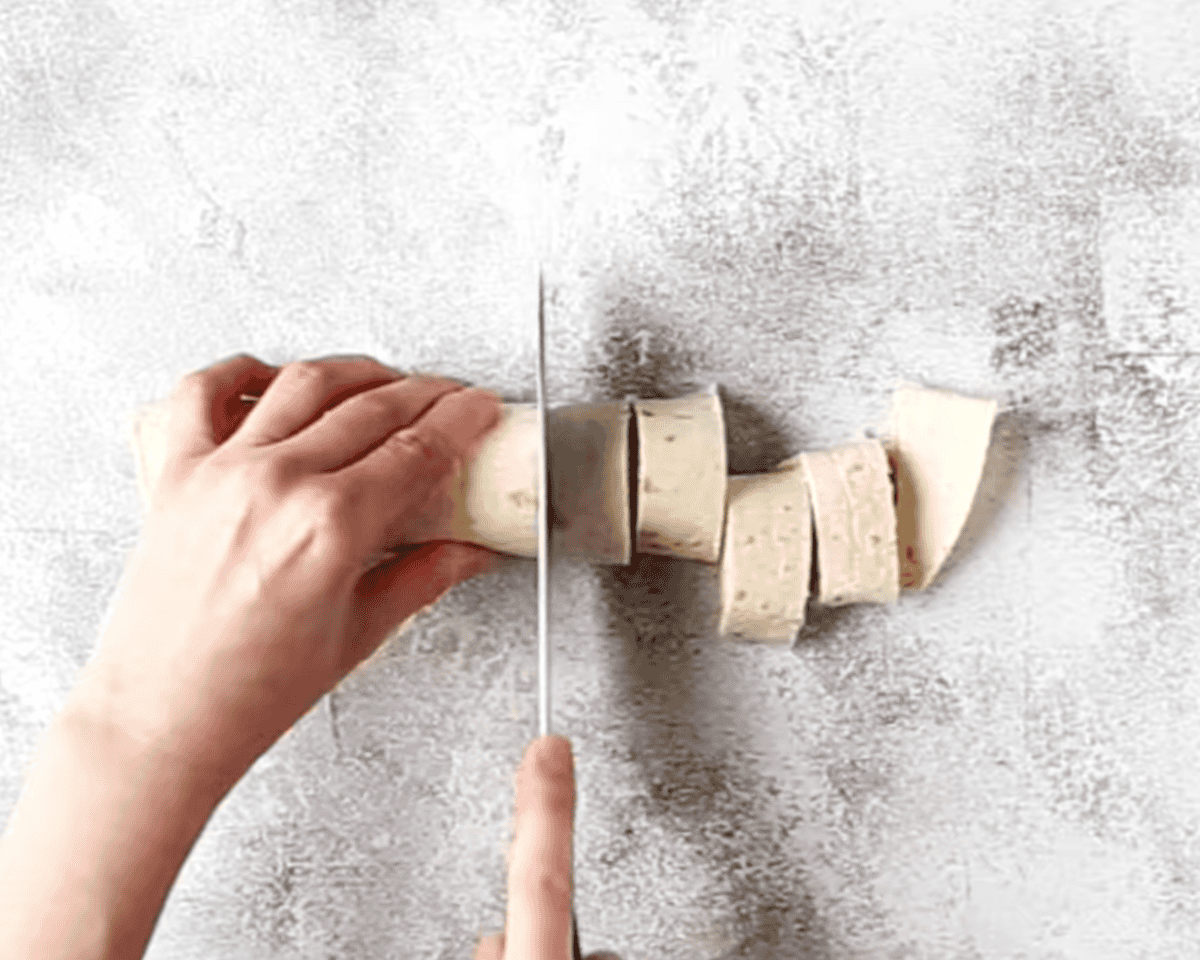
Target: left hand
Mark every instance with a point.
(251, 592)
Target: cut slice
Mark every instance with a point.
(938, 444)
(681, 476)
(589, 481)
(855, 520)
(767, 557)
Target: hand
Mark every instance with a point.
(538, 925)
(250, 595)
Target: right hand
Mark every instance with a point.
(538, 925)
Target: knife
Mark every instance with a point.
(543, 553)
(543, 522)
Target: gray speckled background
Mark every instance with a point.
(803, 202)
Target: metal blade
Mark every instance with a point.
(543, 555)
(543, 521)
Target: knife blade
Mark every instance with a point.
(543, 522)
(543, 554)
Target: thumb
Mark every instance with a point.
(538, 925)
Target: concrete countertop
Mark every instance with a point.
(804, 203)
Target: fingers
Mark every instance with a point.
(392, 483)
(303, 391)
(206, 406)
(490, 948)
(359, 424)
(390, 594)
(538, 925)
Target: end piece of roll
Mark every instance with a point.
(938, 444)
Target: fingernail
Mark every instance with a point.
(552, 755)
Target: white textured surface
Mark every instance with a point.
(803, 202)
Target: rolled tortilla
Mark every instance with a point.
(681, 476)
(766, 559)
(493, 499)
(938, 446)
(855, 520)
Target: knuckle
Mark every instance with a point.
(424, 448)
(330, 516)
(372, 366)
(258, 478)
(305, 372)
(240, 361)
(546, 887)
(370, 406)
(270, 476)
(278, 484)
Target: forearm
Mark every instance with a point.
(94, 844)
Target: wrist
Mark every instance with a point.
(96, 723)
(95, 841)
